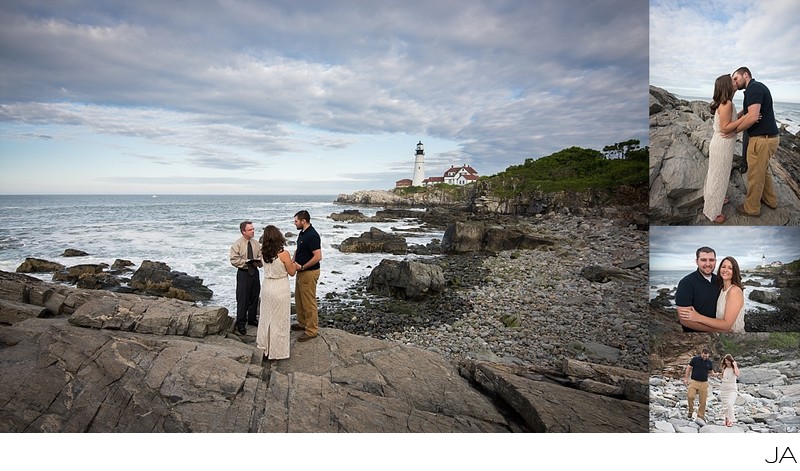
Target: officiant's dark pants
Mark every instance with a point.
(247, 290)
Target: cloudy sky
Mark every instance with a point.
(300, 97)
(693, 42)
(674, 247)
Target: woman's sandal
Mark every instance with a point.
(719, 219)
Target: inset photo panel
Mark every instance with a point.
(729, 383)
(724, 279)
(724, 113)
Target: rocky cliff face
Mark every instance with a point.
(95, 361)
(680, 134)
(622, 203)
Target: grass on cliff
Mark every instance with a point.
(575, 169)
(768, 350)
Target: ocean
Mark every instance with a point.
(661, 279)
(191, 234)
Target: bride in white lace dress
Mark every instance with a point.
(730, 304)
(275, 309)
(720, 151)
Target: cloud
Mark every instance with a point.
(674, 247)
(504, 81)
(692, 43)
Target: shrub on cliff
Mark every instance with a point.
(574, 169)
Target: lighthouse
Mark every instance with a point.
(419, 165)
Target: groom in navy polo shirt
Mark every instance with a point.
(699, 289)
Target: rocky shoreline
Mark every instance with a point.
(523, 307)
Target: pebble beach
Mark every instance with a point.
(524, 307)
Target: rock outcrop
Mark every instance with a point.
(463, 237)
(375, 241)
(158, 279)
(405, 279)
(152, 278)
(680, 134)
(37, 265)
(59, 376)
(433, 197)
(74, 253)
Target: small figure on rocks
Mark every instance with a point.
(696, 379)
(728, 390)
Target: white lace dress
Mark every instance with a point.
(738, 324)
(727, 393)
(275, 312)
(720, 161)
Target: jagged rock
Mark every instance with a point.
(121, 264)
(351, 215)
(74, 273)
(599, 274)
(546, 406)
(633, 385)
(12, 312)
(160, 316)
(463, 237)
(375, 241)
(58, 377)
(765, 297)
(405, 279)
(680, 133)
(74, 253)
(67, 379)
(431, 197)
(158, 279)
(37, 265)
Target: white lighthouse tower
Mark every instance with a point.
(419, 165)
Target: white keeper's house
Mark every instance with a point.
(453, 176)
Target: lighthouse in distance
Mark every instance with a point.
(419, 165)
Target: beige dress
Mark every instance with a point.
(274, 319)
(727, 393)
(738, 324)
(720, 161)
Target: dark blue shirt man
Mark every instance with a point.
(762, 142)
(306, 261)
(700, 290)
(696, 379)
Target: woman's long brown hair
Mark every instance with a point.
(723, 91)
(272, 243)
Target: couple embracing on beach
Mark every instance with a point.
(709, 302)
(760, 141)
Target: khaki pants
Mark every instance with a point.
(305, 300)
(699, 388)
(760, 188)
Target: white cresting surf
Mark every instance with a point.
(190, 233)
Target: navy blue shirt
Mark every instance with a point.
(694, 290)
(700, 368)
(757, 92)
(307, 242)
